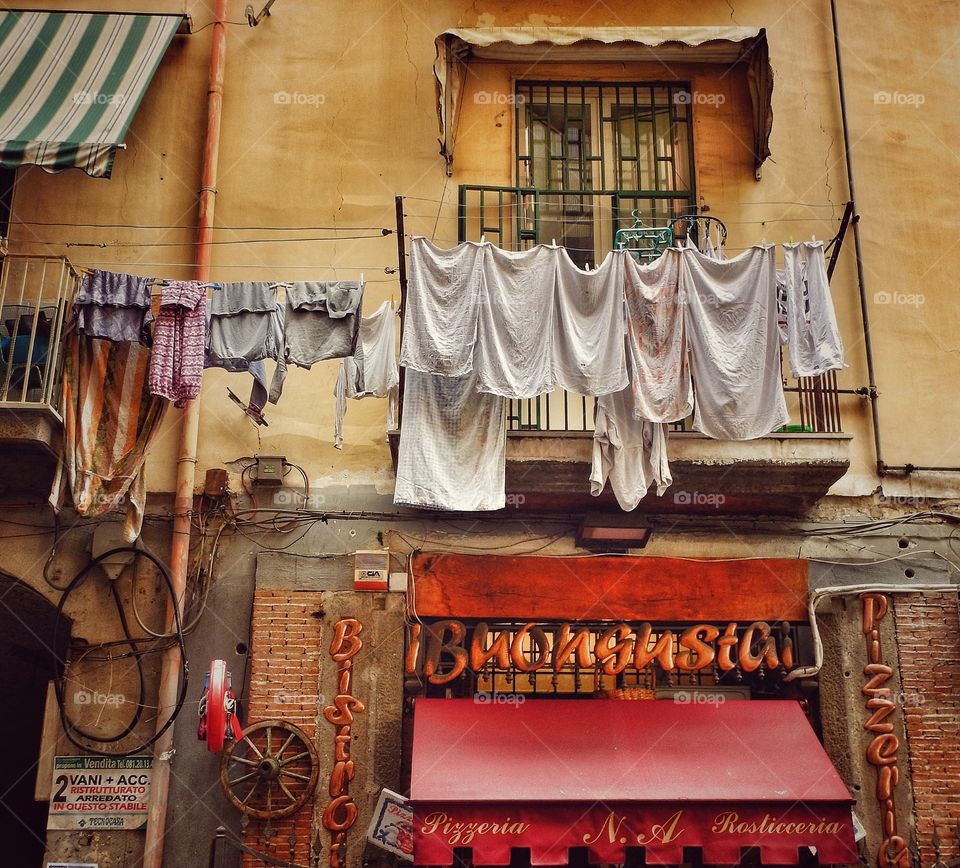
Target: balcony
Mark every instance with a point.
(35, 294)
(549, 447)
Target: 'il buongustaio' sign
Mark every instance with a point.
(442, 651)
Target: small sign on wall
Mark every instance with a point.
(96, 793)
(392, 825)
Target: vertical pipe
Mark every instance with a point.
(402, 276)
(186, 458)
(864, 311)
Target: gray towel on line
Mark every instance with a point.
(321, 321)
(114, 307)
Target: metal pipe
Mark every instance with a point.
(818, 594)
(187, 457)
(402, 277)
(864, 310)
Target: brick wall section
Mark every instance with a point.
(928, 638)
(284, 683)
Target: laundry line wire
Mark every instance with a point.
(193, 228)
(386, 269)
(653, 224)
(590, 194)
(139, 244)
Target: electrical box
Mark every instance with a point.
(269, 470)
(371, 570)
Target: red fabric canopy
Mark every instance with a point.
(605, 775)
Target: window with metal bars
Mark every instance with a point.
(596, 153)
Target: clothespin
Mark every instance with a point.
(361, 278)
(483, 238)
(553, 242)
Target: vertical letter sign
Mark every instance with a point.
(882, 751)
(341, 812)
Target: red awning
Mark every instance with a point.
(548, 775)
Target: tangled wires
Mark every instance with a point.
(72, 730)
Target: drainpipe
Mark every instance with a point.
(864, 308)
(186, 458)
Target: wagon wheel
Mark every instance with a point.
(271, 771)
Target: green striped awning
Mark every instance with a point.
(71, 82)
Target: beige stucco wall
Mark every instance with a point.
(367, 131)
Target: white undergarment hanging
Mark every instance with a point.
(731, 327)
(514, 347)
(443, 298)
(372, 372)
(813, 339)
(588, 326)
(453, 447)
(629, 453)
(660, 373)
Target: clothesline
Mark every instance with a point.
(106, 244)
(588, 193)
(579, 249)
(483, 327)
(386, 269)
(655, 220)
(193, 228)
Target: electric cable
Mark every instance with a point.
(71, 729)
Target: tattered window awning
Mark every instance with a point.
(71, 82)
(721, 45)
(551, 775)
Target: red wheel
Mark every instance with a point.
(217, 698)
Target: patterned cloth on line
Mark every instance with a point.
(110, 420)
(176, 366)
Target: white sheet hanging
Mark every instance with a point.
(813, 339)
(730, 316)
(629, 453)
(588, 326)
(453, 447)
(443, 297)
(514, 349)
(660, 373)
(373, 371)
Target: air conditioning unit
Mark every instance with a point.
(371, 570)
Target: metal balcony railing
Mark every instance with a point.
(585, 222)
(35, 294)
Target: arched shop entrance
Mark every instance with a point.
(27, 645)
